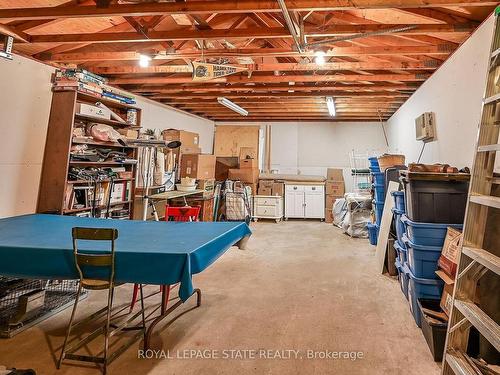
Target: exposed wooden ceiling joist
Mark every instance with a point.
(223, 6)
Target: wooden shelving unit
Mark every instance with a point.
(56, 189)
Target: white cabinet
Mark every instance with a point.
(305, 201)
(267, 207)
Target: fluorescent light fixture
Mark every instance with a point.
(144, 60)
(232, 106)
(330, 103)
(320, 57)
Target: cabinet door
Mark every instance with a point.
(294, 204)
(314, 205)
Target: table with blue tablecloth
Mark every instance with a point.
(147, 252)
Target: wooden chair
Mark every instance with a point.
(97, 262)
(181, 214)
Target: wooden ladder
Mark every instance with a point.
(477, 256)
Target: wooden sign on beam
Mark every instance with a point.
(207, 71)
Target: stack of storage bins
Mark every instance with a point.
(433, 202)
(378, 186)
(399, 245)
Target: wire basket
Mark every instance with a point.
(25, 302)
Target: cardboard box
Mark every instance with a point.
(249, 175)
(329, 216)
(335, 174)
(266, 183)
(189, 140)
(223, 165)
(248, 153)
(129, 133)
(278, 189)
(335, 188)
(449, 255)
(265, 191)
(248, 163)
(207, 185)
(447, 296)
(199, 166)
(93, 111)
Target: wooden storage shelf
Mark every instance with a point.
(99, 120)
(100, 207)
(103, 144)
(108, 102)
(74, 182)
(55, 188)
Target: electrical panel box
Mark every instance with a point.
(425, 127)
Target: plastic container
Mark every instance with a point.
(403, 277)
(401, 252)
(435, 197)
(392, 174)
(378, 178)
(379, 192)
(400, 227)
(379, 209)
(399, 200)
(422, 288)
(372, 233)
(427, 234)
(374, 169)
(433, 330)
(374, 163)
(422, 260)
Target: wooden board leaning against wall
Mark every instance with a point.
(229, 139)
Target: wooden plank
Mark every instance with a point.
(442, 49)
(487, 259)
(275, 79)
(253, 33)
(16, 34)
(385, 225)
(485, 200)
(221, 6)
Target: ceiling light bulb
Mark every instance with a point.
(320, 58)
(144, 61)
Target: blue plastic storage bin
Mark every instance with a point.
(400, 227)
(399, 200)
(379, 209)
(401, 252)
(374, 162)
(422, 288)
(379, 192)
(378, 178)
(427, 234)
(403, 277)
(372, 233)
(422, 260)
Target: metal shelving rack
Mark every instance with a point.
(479, 257)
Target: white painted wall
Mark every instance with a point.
(454, 93)
(25, 99)
(310, 148)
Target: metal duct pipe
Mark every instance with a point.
(290, 25)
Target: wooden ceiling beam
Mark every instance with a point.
(288, 94)
(442, 49)
(275, 79)
(263, 33)
(429, 64)
(16, 34)
(223, 6)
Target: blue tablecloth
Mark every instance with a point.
(40, 246)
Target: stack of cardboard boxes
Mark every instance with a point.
(334, 189)
(248, 171)
(271, 188)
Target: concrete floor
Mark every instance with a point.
(300, 285)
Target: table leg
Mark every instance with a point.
(242, 244)
(165, 312)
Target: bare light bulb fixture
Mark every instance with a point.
(320, 58)
(144, 60)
